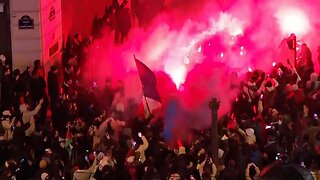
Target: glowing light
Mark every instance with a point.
(293, 20)
(274, 64)
(242, 52)
(178, 74)
(249, 69)
(280, 72)
(221, 54)
(199, 49)
(231, 24)
(209, 44)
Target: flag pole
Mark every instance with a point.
(295, 51)
(145, 98)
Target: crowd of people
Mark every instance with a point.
(78, 130)
(116, 19)
(119, 18)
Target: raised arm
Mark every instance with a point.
(242, 132)
(37, 109)
(144, 144)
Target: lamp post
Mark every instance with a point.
(292, 44)
(214, 106)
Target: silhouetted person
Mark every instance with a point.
(19, 88)
(53, 86)
(38, 91)
(7, 99)
(305, 64)
(123, 22)
(230, 172)
(2, 69)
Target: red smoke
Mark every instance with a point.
(199, 44)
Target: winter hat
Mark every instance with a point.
(6, 113)
(44, 176)
(250, 132)
(43, 164)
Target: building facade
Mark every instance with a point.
(31, 30)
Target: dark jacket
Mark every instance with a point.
(19, 135)
(53, 85)
(37, 88)
(7, 95)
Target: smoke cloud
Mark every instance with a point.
(194, 46)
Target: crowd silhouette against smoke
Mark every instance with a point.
(89, 119)
(232, 36)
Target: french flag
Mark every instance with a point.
(152, 100)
